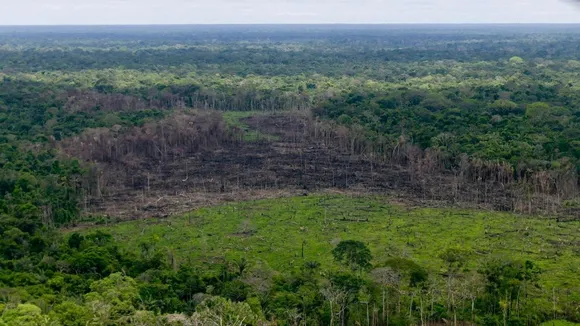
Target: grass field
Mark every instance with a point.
(234, 119)
(275, 231)
(559, 323)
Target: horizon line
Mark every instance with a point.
(294, 24)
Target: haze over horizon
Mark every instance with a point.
(145, 12)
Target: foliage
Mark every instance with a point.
(416, 246)
(494, 95)
(26, 315)
(220, 311)
(353, 254)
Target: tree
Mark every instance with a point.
(364, 297)
(311, 266)
(504, 107)
(469, 289)
(506, 281)
(335, 297)
(541, 112)
(350, 285)
(71, 314)
(537, 110)
(353, 254)
(112, 298)
(455, 258)
(26, 315)
(116, 286)
(516, 61)
(222, 312)
(409, 270)
(387, 277)
(75, 240)
(144, 318)
(241, 264)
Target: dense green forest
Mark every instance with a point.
(99, 125)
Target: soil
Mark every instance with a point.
(288, 164)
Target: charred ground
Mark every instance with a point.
(195, 158)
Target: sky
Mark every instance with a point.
(114, 12)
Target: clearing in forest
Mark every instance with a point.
(285, 233)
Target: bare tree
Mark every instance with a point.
(387, 277)
(336, 298)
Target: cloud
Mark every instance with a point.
(23, 12)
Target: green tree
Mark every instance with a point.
(387, 277)
(220, 311)
(71, 314)
(504, 107)
(26, 315)
(353, 254)
(516, 60)
(112, 298)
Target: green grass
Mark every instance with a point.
(559, 323)
(273, 231)
(234, 119)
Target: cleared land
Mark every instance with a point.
(273, 233)
(202, 158)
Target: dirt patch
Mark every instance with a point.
(180, 174)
